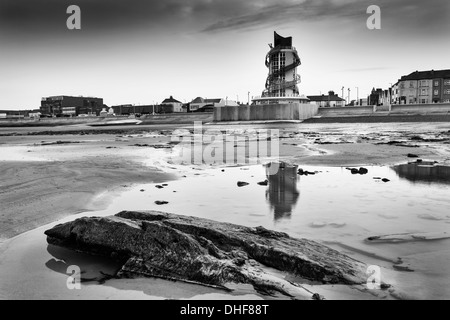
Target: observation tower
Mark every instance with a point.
(281, 85)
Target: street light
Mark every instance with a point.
(390, 93)
(357, 96)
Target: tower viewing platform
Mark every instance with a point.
(281, 99)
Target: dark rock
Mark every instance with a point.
(207, 252)
(385, 180)
(302, 172)
(165, 185)
(264, 183)
(410, 155)
(160, 203)
(360, 171)
(385, 286)
(419, 161)
(317, 296)
(402, 268)
(363, 171)
(142, 190)
(159, 187)
(242, 184)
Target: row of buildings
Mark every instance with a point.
(419, 87)
(68, 106)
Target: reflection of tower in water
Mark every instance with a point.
(282, 193)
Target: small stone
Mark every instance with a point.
(411, 155)
(160, 203)
(317, 296)
(159, 187)
(385, 286)
(385, 180)
(242, 184)
(264, 183)
(142, 190)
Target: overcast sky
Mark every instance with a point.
(141, 52)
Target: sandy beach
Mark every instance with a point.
(46, 178)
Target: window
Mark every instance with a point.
(424, 92)
(411, 84)
(447, 91)
(447, 82)
(424, 83)
(447, 101)
(436, 83)
(402, 85)
(436, 92)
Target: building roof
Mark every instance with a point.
(430, 74)
(198, 100)
(325, 98)
(213, 100)
(282, 41)
(170, 100)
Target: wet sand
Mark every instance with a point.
(45, 178)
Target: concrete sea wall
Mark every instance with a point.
(346, 111)
(421, 108)
(264, 112)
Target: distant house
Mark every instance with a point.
(331, 100)
(171, 105)
(199, 104)
(422, 87)
(13, 114)
(376, 97)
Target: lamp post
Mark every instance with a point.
(248, 98)
(357, 96)
(390, 93)
(342, 93)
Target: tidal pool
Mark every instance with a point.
(332, 206)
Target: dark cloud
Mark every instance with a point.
(417, 15)
(48, 17)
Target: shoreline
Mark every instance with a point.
(390, 118)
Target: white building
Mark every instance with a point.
(199, 103)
